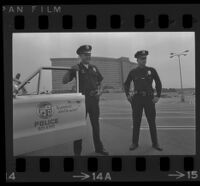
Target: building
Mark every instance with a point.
(114, 71)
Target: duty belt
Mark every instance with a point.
(143, 93)
(92, 93)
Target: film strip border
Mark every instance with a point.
(116, 164)
(94, 19)
(116, 168)
(101, 17)
(116, 22)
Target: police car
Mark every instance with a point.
(45, 119)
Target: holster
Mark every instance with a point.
(93, 93)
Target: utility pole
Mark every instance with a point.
(179, 60)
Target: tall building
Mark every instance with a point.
(114, 71)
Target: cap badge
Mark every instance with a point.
(87, 47)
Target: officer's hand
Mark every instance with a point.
(129, 98)
(75, 67)
(98, 94)
(155, 99)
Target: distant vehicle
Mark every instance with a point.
(42, 119)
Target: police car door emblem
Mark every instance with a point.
(45, 110)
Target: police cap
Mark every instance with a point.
(141, 53)
(84, 49)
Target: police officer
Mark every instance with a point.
(18, 82)
(90, 85)
(143, 97)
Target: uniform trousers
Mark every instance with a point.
(92, 108)
(139, 103)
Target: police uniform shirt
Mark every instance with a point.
(143, 79)
(89, 78)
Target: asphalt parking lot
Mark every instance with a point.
(175, 125)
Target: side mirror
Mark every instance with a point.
(15, 90)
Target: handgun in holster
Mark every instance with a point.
(93, 92)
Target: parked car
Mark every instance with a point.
(43, 119)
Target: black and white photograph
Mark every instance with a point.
(103, 93)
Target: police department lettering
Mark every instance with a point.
(69, 106)
(46, 124)
(45, 111)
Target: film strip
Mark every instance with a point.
(115, 167)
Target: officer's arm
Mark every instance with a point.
(100, 79)
(99, 76)
(127, 83)
(158, 84)
(69, 75)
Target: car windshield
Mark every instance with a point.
(45, 81)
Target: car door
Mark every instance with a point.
(45, 120)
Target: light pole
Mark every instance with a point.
(184, 53)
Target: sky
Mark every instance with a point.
(32, 50)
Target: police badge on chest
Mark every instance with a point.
(94, 69)
(149, 72)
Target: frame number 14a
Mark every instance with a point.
(101, 177)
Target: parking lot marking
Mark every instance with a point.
(169, 128)
(171, 117)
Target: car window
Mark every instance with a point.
(30, 87)
(48, 81)
(52, 82)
